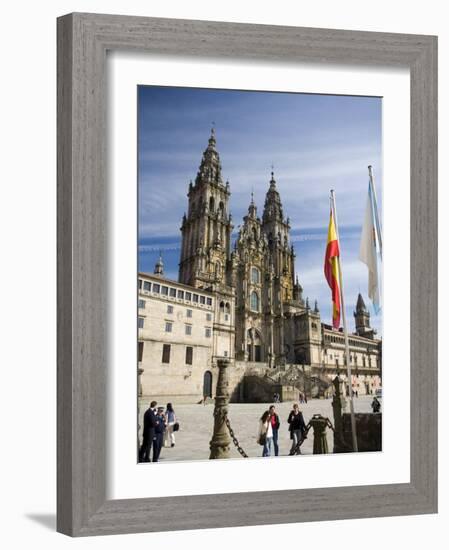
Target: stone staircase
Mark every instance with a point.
(261, 384)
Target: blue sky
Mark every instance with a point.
(315, 142)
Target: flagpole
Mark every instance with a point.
(375, 212)
(345, 329)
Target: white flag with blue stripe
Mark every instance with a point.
(369, 247)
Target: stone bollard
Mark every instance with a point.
(319, 425)
(221, 440)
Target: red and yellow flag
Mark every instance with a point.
(331, 270)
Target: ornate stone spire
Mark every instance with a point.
(273, 207)
(159, 266)
(360, 307)
(315, 309)
(297, 291)
(252, 209)
(210, 167)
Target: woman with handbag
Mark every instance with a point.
(171, 421)
(265, 433)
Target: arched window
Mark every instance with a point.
(221, 208)
(222, 306)
(255, 275)
(228, 307)
(254, 234)
(211, 204)
(254, 301)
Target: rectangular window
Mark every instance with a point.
(140, 283)
(169, 309)
(173, 292)
(209, 301)
(202, 299)
(189, 330)
(188, 296)
(146, 285)
(140, 351)
(195, 298)
(141, 322)
(208, 316)
(189, 313)
(207, 332)
(181, 294)
(141, 304)
(168, 326)
(189, 355)
(156, 288)
(225, 353)
(164, 290)
(166, 353)
(226, 317)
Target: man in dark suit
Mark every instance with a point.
(159, 431)
(149, 425)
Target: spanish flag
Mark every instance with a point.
(331, 270)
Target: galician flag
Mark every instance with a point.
(332, 270)
(368, 248)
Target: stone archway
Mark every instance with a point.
(255, 348)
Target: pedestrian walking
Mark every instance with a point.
(375, 405)
(275, 423)
(149, 425)
(265, 434)
(297, 427)
(158, 434)
(170, 419)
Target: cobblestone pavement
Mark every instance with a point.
(196, 424)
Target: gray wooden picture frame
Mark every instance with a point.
(83, 40)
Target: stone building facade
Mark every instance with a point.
(247, 301)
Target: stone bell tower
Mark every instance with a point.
(281, 259)
(206, 227)
(362, 322)
(277, 230)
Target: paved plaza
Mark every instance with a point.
(196, 425)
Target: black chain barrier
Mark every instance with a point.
(297, 448)
(234, 439)
(294, 451)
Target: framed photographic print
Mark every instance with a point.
(247, 272)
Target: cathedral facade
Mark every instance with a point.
(259, 319)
